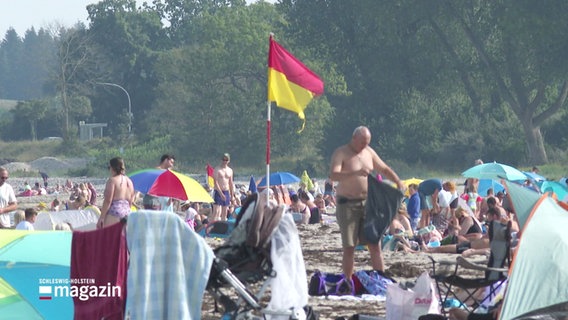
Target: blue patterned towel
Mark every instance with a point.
(169, 267)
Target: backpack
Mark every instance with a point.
(323, 284)
(316, 287)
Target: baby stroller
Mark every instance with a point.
(262, 251)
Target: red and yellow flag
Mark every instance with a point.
(210, 179)
(290, 83)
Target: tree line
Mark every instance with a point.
(439, 83)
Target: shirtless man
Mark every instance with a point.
(350, 166)
(224, 192)
(166, 162)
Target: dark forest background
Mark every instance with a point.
(439, 83)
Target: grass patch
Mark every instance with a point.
(26, 151)
(6, 105)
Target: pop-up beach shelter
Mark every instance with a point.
(538, 277)
(79, 220)
(33, 264)
(558, 188)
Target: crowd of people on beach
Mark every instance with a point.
(437, 218)
(434, 217)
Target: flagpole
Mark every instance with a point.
(268, 150)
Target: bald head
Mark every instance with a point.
(360, 139)
(361, 131)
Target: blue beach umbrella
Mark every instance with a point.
(494, 170)
(534, 176)
(279, 178)
(485, 184)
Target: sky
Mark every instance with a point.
(23, 14)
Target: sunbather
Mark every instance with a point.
(400, 233)
(481, 243)
(465, 226)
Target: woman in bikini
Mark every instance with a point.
(468, 229)
(118, 194)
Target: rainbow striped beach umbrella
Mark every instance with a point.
(169, 183)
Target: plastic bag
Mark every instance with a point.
(410, 305)
(289, 288)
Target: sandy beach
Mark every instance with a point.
(321, 247)
(26, 202)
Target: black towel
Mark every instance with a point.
(383, 201)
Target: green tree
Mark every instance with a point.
(519, 51)
(76, 61)
(179, 15)
(129, 41)
(374, 47)
(37, 61)
(470, 58)
(11, 51)
(26, 116)
(216, 88)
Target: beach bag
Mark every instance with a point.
(410, 305)
(316, 286)
(323, 284)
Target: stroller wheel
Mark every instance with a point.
(228, 304)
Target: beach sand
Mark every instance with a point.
(321, 247)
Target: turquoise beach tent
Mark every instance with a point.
(523, 200)
(538, 277)
(29, 261)
(556, 187)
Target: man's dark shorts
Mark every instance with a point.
(219, 201)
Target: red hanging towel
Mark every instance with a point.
(98, 273)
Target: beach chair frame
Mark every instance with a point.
(495, 274)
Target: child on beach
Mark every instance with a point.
(27, 224)
(19, 216)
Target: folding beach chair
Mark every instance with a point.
(476, 291)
